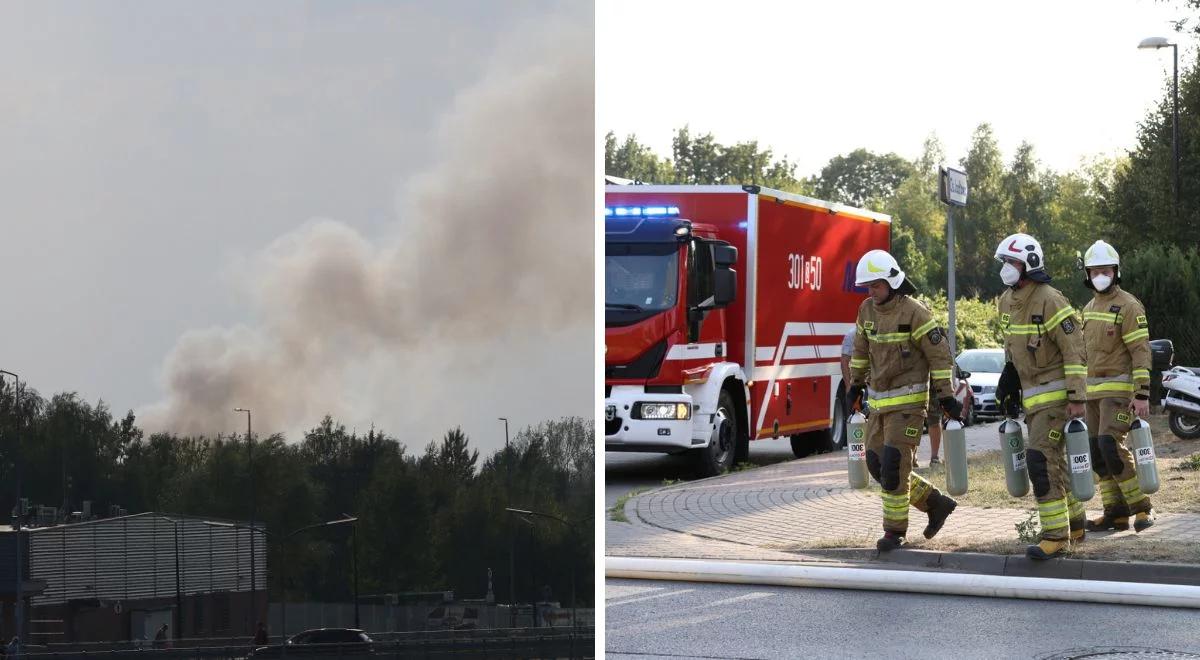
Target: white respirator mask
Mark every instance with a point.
(1009, 274)
(1101, 282)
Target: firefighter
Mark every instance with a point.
(900, 345)
(1118, 386)
(1043, 346)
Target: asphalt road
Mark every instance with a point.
(647, 619)
(624, 472)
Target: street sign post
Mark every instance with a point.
(952, 189)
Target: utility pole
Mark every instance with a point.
(512, 611)
(19, 605)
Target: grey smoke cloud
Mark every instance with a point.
(476, 304)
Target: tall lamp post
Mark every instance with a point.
(178, 585)
(253, 518)
(512, 611)
(354, 561)
(282, 564)
(19, 605)
(1161, 42)
(574, 538)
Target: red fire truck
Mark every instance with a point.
(725, 309)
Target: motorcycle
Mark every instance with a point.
(1182, 402)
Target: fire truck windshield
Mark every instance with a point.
(641, 277)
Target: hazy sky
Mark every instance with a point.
(816, 79)
(273, 204)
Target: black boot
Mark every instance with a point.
(1116, 518)
(940, 508)
(1142, 521)
(1047, 549)
(1106, 522)
(890, 541)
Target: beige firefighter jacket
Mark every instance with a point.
(1044, 341)
(1117, 337)
(902, 347)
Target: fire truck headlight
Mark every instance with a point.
(665, 411)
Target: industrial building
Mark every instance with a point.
(122, 577)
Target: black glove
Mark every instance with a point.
(854, 397)
(951, 406)
(1008, 391)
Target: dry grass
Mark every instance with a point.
(865, 540)
(1123, 546)
(1179, 490)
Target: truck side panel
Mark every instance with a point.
(805, 302)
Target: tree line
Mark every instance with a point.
(428, 521)
(1128, 200)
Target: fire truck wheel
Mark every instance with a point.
(813, 442)
(717, 457)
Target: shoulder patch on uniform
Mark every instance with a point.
(869, 325)
(1005, 318)
(1142, 322)
(1068, 325)
(935, 336)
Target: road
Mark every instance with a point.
(630, 471)
(647, 619)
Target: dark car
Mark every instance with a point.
(321, 642)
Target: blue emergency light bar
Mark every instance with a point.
(640, 211)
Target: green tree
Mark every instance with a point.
(1140, 203)
(985, 220)
(917, 211)
(862, 178)
(633, 160)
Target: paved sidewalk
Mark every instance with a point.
(764, 513)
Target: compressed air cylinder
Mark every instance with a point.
(954, 438)
(1079, 460)
(1141, 443)
(856, 450)
(1012, 452)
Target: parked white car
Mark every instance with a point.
(984, 365)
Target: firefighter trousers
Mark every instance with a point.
(1058, 510)
(892, 440)
(1108, 421)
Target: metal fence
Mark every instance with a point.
(1183, 333)
(497, 643)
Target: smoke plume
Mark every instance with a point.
(477, 305)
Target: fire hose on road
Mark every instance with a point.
(959, 584)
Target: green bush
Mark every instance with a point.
(976, 321)
(1164, 278)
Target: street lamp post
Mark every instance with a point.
(354, 561)
(19, 606)
(571, 527)
(1161, 42)
(512, 598)
(178, 586)
(253, 517)
(283, 564)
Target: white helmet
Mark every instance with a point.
(1101, 254)
(878, 265)
(1026, 249)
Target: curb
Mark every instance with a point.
(1017, 566)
